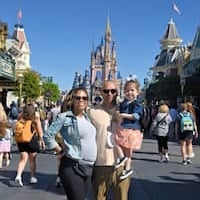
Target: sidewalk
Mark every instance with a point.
(164, 181)
(151, 180)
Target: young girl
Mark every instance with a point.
(4, 138)
(160, 125)
(128, 136)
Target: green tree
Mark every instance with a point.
(29, 84)
(165, 88)
(50, 91)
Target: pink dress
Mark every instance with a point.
(5, 145)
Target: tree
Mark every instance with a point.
(28, 86)
(166, 88)
(50, 91)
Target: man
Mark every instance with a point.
(105, 176)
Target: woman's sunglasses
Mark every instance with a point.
(106, 91)
(78, 98)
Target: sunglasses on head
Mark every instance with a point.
(106, 91)
(78, 98)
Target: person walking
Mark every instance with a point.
(78, 152)
(160, 127)
(5, 138)
(27, 150)
(105, 177)
(192, 111)
(128, 135)
(185, 128)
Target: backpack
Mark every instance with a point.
(14, 113)
(186, 123)
(24, 131)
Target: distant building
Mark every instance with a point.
(103, 66)
(15, 59)
(176, 59)
(173, 54)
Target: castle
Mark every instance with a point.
(103, 66)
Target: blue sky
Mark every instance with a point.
(61, 32)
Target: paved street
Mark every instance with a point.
(150, 181)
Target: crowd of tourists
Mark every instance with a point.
(94, 144)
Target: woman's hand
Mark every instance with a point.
(41, 144)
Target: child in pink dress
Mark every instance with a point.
(128, 136)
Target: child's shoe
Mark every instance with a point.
(125, 174)
(120, 162)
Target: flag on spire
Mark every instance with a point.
(175, 8)
(19, 15)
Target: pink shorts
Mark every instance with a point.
(129, 138)
(5, 146)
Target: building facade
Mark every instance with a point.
(14, 60)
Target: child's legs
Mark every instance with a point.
(1, 159)
(128, 153)
(183, 149)
(189, 147)
(165, 144)
(160, 144)
(119, 150)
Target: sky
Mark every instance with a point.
(61, 33)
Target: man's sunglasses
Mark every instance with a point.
(78, 98)
(106, 91)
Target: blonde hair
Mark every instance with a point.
(190, 108)
(3, 121)
(183, 107)
(3, 116)
(163, 108)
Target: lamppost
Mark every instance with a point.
(20, 78)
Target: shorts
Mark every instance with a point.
(25, 147)
(187, 135)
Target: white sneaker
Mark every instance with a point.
(58, 182)
(166, 158)
(192, 155)
(33, 180)
(18, 181)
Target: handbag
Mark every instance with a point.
(84, 171)
(153, 132)
(34, 143)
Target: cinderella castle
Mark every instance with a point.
(103, 66)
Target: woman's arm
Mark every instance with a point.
(39, 132)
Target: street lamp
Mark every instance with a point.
(20, 78)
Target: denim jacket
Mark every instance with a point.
(136, 109)
(66, 124)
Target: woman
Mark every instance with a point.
(27, 151)
(160, 127)
(192, 111)
(79, 146)
(184, 131)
